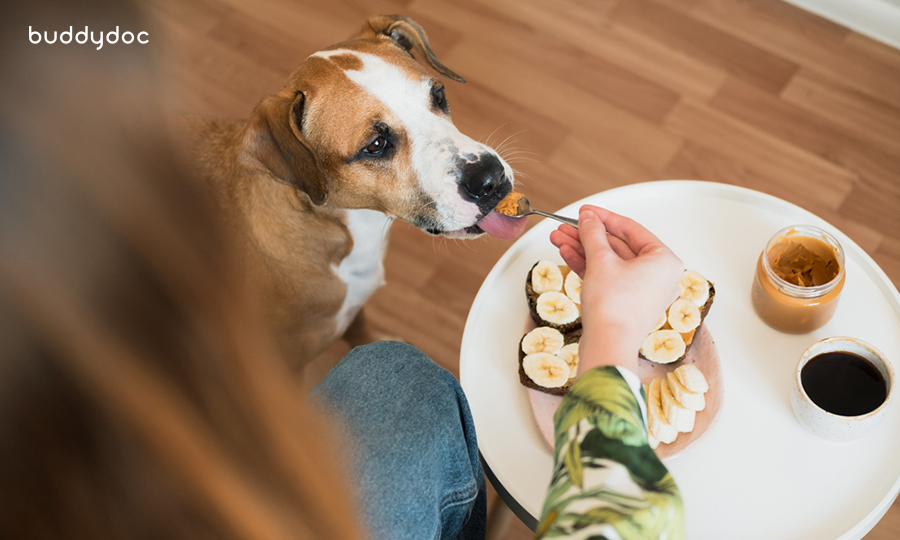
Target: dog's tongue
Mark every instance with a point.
(503, 227)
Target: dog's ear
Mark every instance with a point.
(277, 142)
(408, 35)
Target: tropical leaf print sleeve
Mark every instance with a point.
(607, 482)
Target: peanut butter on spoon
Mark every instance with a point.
(509, 206)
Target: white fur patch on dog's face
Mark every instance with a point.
(419, 177)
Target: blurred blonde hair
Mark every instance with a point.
(140, 395)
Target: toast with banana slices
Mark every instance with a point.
(674, 332)
(548, 359)
(554, 296)
(548, 355)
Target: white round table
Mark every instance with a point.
(757, 473)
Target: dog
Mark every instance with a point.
(360, 135)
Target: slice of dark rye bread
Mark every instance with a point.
(575, 336)
(689, 336)
(568, 339)
(532, 307)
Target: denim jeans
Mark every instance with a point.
(412, 451)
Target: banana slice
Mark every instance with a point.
(659, 323)
(653, 441)
(692, 378)
(546, 277)
(689, 400)
(543, 339)
(680, 418)
(658, 426)
(694, 288)
(546, 369)
(663, 347)
(573, 287)
(556, 308)
(569, 354)
(683, 316)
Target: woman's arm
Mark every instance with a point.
(607, 482)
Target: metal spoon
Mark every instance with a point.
(525, 209)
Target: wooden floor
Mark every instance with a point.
(586, 95)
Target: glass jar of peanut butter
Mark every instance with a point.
(799, 278)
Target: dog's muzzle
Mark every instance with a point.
(484, 182)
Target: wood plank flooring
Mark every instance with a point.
(587, 95)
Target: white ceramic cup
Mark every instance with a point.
(834, 427)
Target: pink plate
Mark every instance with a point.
(703, 354)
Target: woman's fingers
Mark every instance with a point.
(573, 259)
(593, 242)
(635, 236)
(603, 231)
(617, 244)
(620, 247)
(592, 232)
(561, 238)
(570, 250)
(568, 236)
(569, 230)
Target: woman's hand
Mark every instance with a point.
(630, 279)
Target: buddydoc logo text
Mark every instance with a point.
(82, 36)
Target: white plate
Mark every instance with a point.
(759, 473)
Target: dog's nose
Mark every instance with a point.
(481, 178)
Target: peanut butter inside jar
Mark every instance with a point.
(799, 278)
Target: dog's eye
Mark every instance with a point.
(440, 99)
(377, 146)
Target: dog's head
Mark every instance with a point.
(364, 125)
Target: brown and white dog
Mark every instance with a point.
(360, 135)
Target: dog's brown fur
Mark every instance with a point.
(271, 184)
(289, 244)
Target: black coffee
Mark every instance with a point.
(843, 383)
